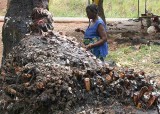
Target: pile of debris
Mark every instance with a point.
(46, 74)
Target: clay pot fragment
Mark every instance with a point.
(151, 101)
(142, 91)
(18, 70)
(108, 78)
(87, 84)
(12, 91)
(26, 75)
(139, 105)
(40, 85)
(122, 75)
(26, 84)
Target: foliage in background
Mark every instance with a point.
(112, 8)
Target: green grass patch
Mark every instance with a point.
(144, 58)
(112, 8)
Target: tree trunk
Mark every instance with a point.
(100, 7)
(8, 2)
(101, 10)
(17, 20)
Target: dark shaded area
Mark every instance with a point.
(41, 4)
(17, 20)
(16, 23)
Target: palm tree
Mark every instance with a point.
(17, 20)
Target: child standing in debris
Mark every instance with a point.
(95, 37)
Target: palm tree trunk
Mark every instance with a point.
(17, 20)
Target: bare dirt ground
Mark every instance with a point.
(116, 30)
(119, 32)
(3, 4)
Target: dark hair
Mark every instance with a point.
(93, 8)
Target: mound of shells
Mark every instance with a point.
(48, 74)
